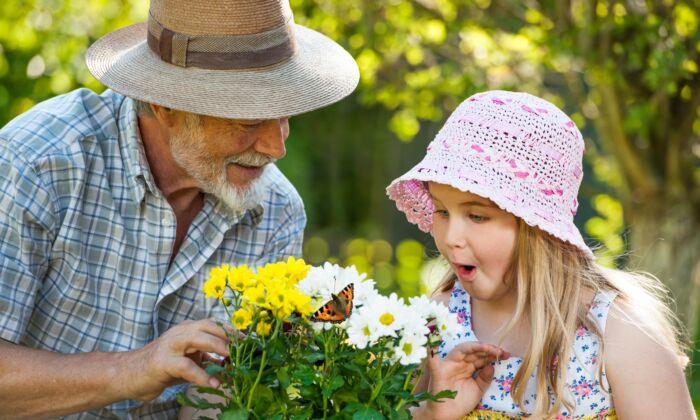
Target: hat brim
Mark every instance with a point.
(320, 73)
(413, 199)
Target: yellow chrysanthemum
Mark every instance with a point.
(242, 318)
(216, 285)
(272, 271)
(255, 295)
(297, 269)
(263, 328)
(300, 302)
(239, 278)
(214, 288)
(276, 298)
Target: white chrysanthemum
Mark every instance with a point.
(423, 306)
(360, 328)
(321, 282)
(387, 314)
(330, 279)
(411, 349)
(413, 323)
(446, 322)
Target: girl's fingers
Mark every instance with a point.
(477, 348)
(484, 377)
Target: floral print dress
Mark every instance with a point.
(589, 394)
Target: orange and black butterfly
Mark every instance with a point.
(338, 309)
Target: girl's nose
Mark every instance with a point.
(271, 140)
(456, 235)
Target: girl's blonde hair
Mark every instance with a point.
(551, 277)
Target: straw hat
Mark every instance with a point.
(226, 58)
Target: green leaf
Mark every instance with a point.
(213, 369)
(184, 401)
(345, 396)
(304, 374)
(197, 402)
(305, 414)
(422, 396)
(209, 390)
(234, 414)
(314, 357)
(367, 413)
(335, 383)
(283, 376)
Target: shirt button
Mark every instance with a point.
(166, 220)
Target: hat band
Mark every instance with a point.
(223, 52)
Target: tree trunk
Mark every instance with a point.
(665, 241)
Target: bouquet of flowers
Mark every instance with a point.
(319, 342)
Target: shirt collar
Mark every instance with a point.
(138, 173)
(252, 216)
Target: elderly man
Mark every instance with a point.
(115, 207)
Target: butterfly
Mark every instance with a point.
(338, 309)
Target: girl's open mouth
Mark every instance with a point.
(465, 272)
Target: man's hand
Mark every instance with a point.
(42, 384)
(466, 369)
(175, 357)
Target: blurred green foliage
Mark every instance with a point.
(627, 72)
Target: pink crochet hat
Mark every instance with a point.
(517, 150)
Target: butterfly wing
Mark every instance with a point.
(338, 309)
(345, 299)
(328, 313)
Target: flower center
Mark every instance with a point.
(407, 349)
(386, 318)
(365, 330)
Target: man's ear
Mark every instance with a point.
(165, 116)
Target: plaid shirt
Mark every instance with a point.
(86, 237)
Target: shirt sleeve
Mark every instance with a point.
(288, 239)
(27, 217)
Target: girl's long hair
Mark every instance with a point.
(552, 279)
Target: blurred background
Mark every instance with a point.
(626, 71)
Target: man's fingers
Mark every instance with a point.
(219, 329)
(189, 371)
(206, 343)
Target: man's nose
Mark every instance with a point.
(271, 140)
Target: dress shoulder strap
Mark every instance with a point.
(600, 306)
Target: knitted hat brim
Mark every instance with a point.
(320, 73)
(412, 198)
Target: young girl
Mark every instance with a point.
(497, 191)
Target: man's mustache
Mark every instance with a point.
(250, 159)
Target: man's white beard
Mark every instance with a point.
(188, 151)
(235, 198)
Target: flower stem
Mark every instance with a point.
(257, 379)
(380, 383)
(405, 384)
(326, 371)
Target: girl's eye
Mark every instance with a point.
(478, 218)
(441, 213)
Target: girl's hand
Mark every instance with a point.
(466, 369)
